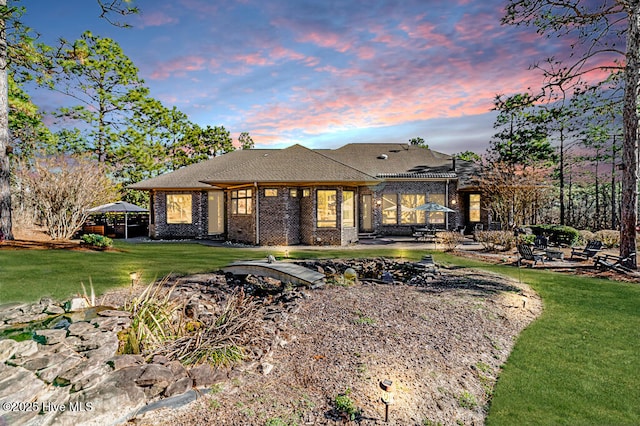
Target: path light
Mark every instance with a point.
(350, 275)
(134, 278)
(387, 396)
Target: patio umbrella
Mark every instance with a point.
(433, 207)
(120, 207)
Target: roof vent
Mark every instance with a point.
(383, 156)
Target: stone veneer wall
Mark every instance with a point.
(198, 228)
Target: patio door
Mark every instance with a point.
(216, 212)
(367, 213)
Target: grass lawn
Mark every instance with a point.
(577, 364)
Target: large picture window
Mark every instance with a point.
(179, 208)
(408, 203)
(474, 207)
(241, 202)
(326, 213)
(348, 209)
(389, 209)
(437, 217)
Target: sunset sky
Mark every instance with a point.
(320, 73)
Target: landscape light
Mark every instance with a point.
(134, 277)
(387, 396)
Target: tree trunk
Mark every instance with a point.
(629, 196)
(5, 172)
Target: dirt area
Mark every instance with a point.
(440, 341)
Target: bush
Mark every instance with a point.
(450, 239)
(496, 240)
(96, 240)
(609, 237)
(559, 235)
(585, 237)
(345, 405)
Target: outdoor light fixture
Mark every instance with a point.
(387, 396)
(134, 276)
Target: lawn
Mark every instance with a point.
(576, 365)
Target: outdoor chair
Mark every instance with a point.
(540, 243)
(605, 262)
(525, 252)
(591, 249)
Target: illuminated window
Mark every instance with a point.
(409, 215)
(270, 192)
(326, 213)
(179, 208)
(436, 217)
(241, 202)
(306, 192)
(348, 209)
(293, 193)
(474, 207)
(389, 209)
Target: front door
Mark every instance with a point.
(367, 213)
(216, 212)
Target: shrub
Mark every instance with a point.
(96, 240)
(609, 237)
(560, 235)
(345, 405)
(585, 236)
(450, 239)
(496, 240)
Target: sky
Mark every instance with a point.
(320, 73)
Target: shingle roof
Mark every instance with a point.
(381, 159)
(190, 177)
(355, 163)
(293, 164)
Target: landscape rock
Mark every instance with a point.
(178, 387)
(51, 337)
(204, 375)
(128, 360)
(77, 304)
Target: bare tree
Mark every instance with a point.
(596, 32)
(61, 189)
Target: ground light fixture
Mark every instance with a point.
(134, 276)
(387, 396)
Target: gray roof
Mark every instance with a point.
(353, 163)
(294, 164)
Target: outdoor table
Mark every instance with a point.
(553, 254)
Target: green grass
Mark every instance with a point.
(575, 365)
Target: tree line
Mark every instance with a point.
(110, 119)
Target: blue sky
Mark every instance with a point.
(320, 73)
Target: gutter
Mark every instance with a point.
(255, 185)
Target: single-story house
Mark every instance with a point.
(307, 196)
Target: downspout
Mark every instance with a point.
(255, 184)
(446, 197)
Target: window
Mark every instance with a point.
(474, 207)
(408, 203)
(306, 192)
(326, 213)
(270, 192)
(241, 202)
(437, 217)
(293, 193)
(179, 208)
(348, 209)
(389, 209)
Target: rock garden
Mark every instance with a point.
(246, 350)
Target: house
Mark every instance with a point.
(307, 196)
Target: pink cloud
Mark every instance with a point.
(327, 40)
(155, 19)
(179, 66)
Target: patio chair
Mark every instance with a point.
(540, 243)
(591, 249)
(525, 252)
(606, 262)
